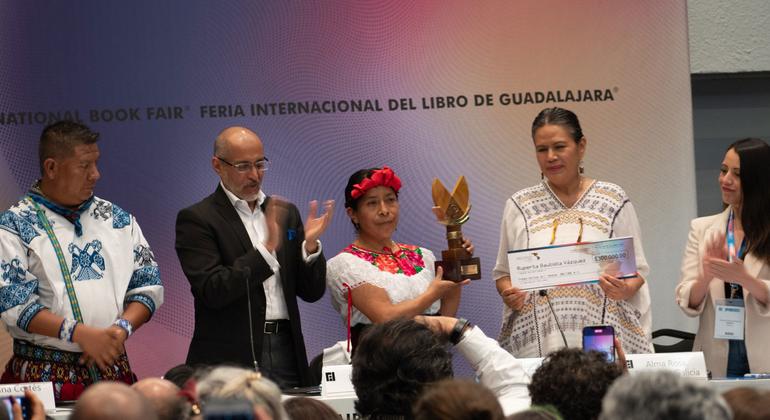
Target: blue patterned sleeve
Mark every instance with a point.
(145, 285)
(27, 314)
(143, 299)
(18, 287)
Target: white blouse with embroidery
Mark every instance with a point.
(404, 275)
(604, 211)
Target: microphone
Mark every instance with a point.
(604, 309)
(247, 275)
(544, 292)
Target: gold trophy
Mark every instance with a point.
(452, 210)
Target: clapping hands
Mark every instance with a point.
(275, 216)
(316, 225)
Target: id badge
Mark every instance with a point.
(729, 319)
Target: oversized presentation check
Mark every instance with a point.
(559, 265)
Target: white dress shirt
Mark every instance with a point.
(256, 226)
(496, 369)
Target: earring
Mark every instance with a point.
(542, 176)
(581, 169)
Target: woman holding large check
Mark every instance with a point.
(567, 208)
(726, 267)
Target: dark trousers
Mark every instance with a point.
(737, 359)
(278, 361)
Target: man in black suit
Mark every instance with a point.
(247, 257)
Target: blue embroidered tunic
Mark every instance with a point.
(108, 259)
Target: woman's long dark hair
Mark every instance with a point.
(754, 157)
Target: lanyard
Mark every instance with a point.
(556, 226)
(731, 254)
(62, 262)
(731, 236)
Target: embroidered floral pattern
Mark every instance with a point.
(30, 215)
(145, 276)
(32, 363)
(407, 259)
(13, 272)
(143, 256)
(83, 261)
(120, 217)
(21, 227)
(16, 294)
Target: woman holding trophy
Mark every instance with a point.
(568, 207)
(376, 279)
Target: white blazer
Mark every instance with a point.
(757, 328)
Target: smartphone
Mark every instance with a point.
(600, 338)
(22, 401)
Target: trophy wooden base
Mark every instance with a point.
(459, 270)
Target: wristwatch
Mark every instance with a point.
(123, 323)
(457, 331)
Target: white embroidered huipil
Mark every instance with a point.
(110, 265)
(355, 266)
(604, 211)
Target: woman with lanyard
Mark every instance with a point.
(568, 207)
(726, 267)
(376, 279)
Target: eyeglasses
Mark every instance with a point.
(243, 167)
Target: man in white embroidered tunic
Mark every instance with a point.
(78, 277)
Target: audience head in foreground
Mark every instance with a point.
(662, 395)
(392, 364)
(179, 375)
(537, 412)
(163, 396)
(574, 382)
(748, 403)
(112, 400)
(234, 384)
(304, 408)
(455, 399)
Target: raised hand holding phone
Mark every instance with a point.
(600, 338)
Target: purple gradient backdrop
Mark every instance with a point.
(104, 55)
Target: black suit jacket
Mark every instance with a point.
(215, 251)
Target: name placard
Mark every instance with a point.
(687, 364)
(335, 381)
(560, 265)
(43, 390)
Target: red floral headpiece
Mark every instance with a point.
(384, 177)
